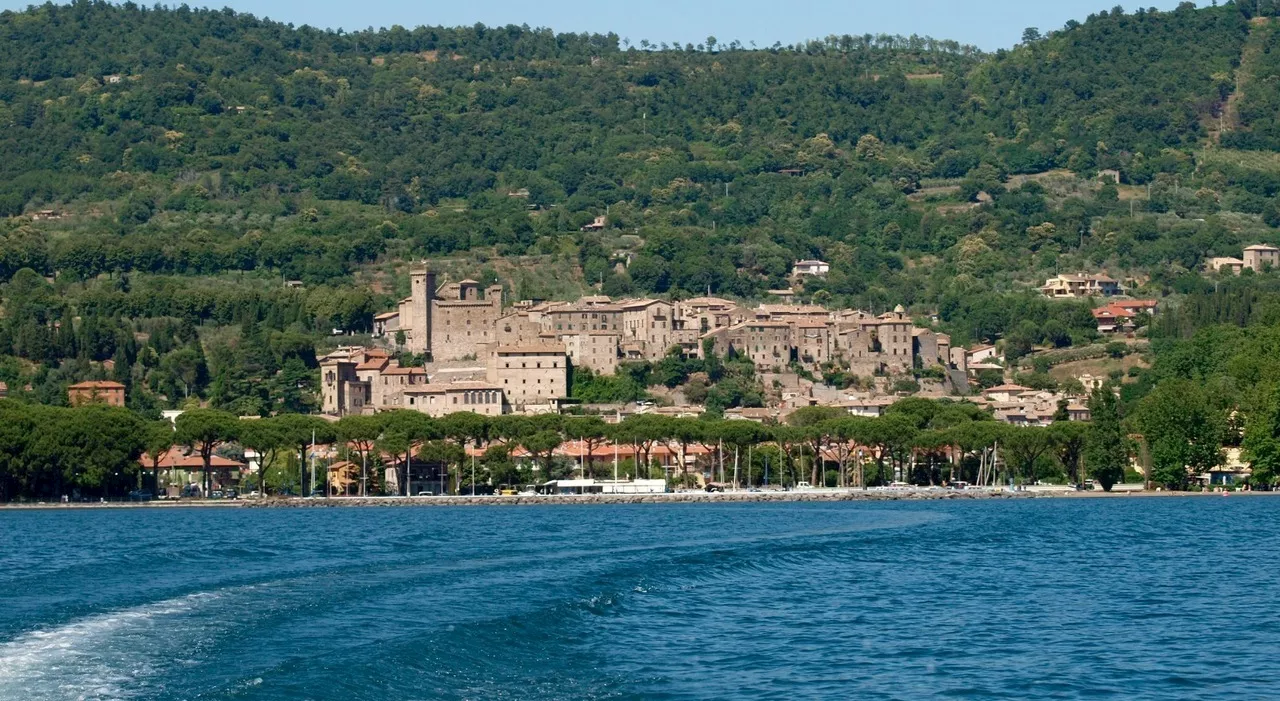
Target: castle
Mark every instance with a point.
(451, 322)
(527, 350)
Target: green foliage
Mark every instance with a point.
(622, 386)
(1106, 454)
(1261, 446)
(1183, 432)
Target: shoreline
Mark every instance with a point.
(816, 496)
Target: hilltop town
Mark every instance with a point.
(483, 356)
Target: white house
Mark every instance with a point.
(810, 267)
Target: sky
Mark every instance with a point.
(988, 24)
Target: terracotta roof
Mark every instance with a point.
(641, 303)
(175, 458)
(578, 308)
(809, 309)
(404, 371)
(97, 384)
(426, 389)
(373, 364)
(1261, 247)
(1006, 388)
(1135, 303)
(529, 349)
(385, 315)
(709, 302)
(467, 385)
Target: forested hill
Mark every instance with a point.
(196, 141)
(418, 115)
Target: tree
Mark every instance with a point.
(590, 431)
(1261, 445)
(1105, 454)
(98, 445)
(890, 437)
(158, 439)
(842, 438)
(739, 435)
(1183, 432)
(1023, 448)
(362, 433)
(202, 430)
(542, 445)
(463, 428)
(300, 432)
(1069, 441)
(264, 437)
(643, 431)
(402, 430)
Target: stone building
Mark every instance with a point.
(650, 324)
(597, 350)
(813, 341)
(767, 343)
(440, 400)
(530, 374)
(449, 322)
(1261, 256)
(96, 392)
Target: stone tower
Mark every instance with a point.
(422, 292)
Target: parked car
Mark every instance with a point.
(140, 495)
(231, 494)
(317, 492)
(191, 491)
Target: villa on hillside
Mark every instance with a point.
(810, 267)
(1257, 258)
(1081, 285)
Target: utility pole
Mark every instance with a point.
(313, 460)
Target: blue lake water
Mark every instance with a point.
(1124, 598)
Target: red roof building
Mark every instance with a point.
(96, 392)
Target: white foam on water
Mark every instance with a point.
(104, 656)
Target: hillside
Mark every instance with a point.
(169, 167)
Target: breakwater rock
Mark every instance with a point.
(669, 498)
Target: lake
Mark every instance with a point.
(1046, 598)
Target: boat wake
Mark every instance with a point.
(104, 656)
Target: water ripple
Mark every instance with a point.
(1063, 599)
